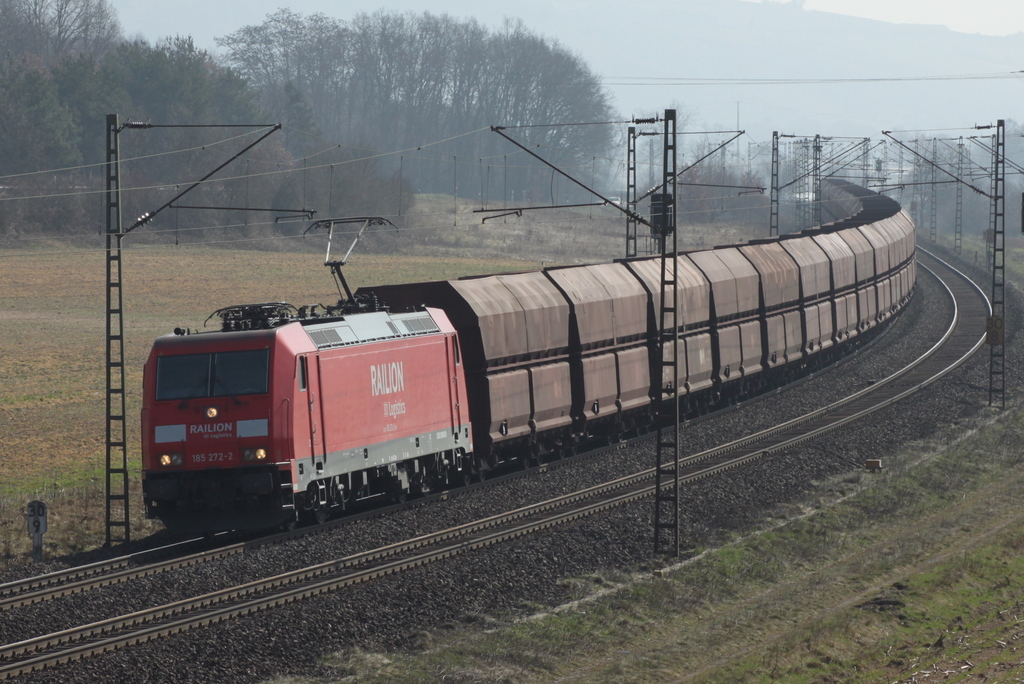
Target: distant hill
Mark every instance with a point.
(731, 39)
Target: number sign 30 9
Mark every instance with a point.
(36, 517)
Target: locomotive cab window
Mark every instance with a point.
(220, 374)
(302, 374)
(455, 344)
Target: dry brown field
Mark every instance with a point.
(52, 356)
(52, 326)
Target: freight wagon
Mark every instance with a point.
(286, 414)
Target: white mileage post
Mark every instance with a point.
(36, 527)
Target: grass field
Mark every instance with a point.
(911, 575)
(52, 326)
(52, 388)
(908, 576)
(873, 578)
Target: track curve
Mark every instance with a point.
(963, 339)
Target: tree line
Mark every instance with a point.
(398, 81)
(344, 90)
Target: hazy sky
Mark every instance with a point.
(205, 20)
(989, 17)
(629, 43)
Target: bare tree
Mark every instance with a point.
(288, 53)
(391, 81)
(56, 29)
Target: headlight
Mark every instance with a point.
(172, 459)
(211, 412)
(257, 454)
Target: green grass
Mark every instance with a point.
(858, 585)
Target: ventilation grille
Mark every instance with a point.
(420, 325)
(363, 328)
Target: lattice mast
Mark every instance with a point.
(816, 183)
(116, 491)
(958, 226)
(865, 160)
(118, 527)
(773, 219)
(803, 163)
(666, 496)
(933, 194)
(631, 222)
(997, 367)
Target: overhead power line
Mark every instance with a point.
(83, 167)
(690, 81)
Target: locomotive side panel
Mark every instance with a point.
(379, 393)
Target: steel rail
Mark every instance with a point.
(80, 579)
(297, 585)
(36, 585)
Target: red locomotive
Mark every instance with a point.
(248, 428)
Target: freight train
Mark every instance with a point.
(288, 413)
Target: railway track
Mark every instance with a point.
(963, 338)
(149, 562)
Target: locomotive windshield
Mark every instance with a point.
(220, 374)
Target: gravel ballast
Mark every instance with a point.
(512, 579)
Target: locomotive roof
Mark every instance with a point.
(338, 331)
(370, 327)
